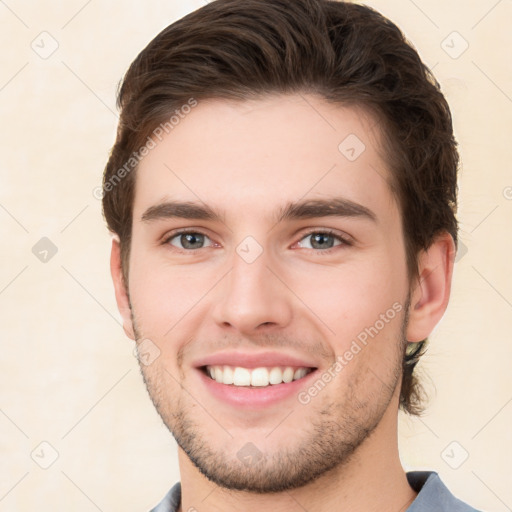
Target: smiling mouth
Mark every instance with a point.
(255, 377)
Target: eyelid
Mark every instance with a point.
(328, 231)
(345, 240)
(183, 231)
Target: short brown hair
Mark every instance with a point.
(349, 55)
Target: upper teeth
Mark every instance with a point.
(239, 376)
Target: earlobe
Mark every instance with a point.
(430, 296)
(121, 292)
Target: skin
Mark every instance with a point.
(248, 159)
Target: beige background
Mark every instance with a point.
(68, 374)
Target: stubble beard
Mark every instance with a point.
(330, 440)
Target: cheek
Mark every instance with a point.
(159, 296)
(352, 296)
(170, 301)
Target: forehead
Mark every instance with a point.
(249, 157)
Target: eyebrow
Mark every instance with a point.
(306, 209)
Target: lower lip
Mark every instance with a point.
(255, 397)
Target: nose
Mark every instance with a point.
(253, 297)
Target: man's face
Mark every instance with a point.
(250, 284)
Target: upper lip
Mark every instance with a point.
(253, 360)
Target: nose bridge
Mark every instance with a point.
(251, 294)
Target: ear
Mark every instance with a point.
(430, 295)
(123, 302)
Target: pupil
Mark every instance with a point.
(190, 239)
(320, 240)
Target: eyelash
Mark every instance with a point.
(344, 241)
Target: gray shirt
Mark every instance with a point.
(433, 495)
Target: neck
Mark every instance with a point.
(373, 480)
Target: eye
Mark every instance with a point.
(188, 240)
(323, 240)
(319, 240)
